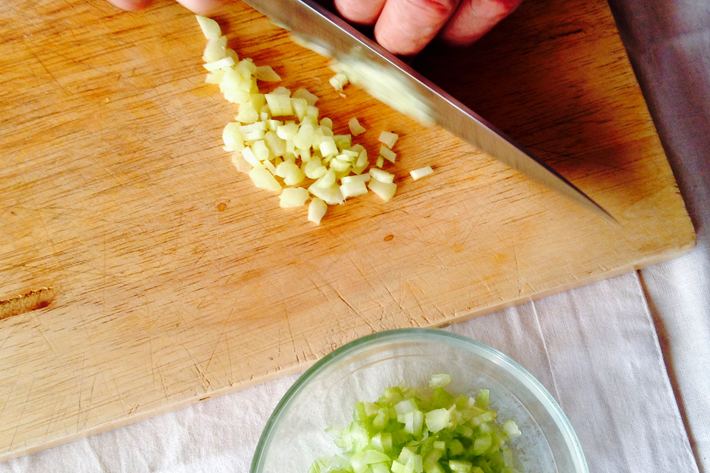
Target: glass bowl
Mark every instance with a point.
(325, 395)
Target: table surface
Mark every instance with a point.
(668, 43)
(673, 297)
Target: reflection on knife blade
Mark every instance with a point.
(389, 79)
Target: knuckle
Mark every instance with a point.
(442, 8)
(508, 5)
(503, 7)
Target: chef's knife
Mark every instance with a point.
(389, 79)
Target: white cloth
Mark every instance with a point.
(668, 44)
(679, 300)
(595, 349)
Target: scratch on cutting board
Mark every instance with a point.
(290, 334)
(354, 310)
(394, 299)
(46, 69)
(26, 302)
(517, 270)
(206, 382)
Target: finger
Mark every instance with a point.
(474, 18)
(131, 5)
(202, 7)
(364, 12)
(406, 26)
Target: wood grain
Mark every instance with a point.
(175, 280)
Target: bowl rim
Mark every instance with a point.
(494, 355)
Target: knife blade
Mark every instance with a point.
(390, 79)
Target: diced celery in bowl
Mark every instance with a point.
(409, 430)
(417, 401)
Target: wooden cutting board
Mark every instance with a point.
(163, 277)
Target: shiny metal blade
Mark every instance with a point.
(329, 35)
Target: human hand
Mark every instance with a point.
(407, 26)
(202, 7)
(402, 26)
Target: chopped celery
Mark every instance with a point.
(299, 107)
(305, 94)
(316, 210)
(279, 104)
(266, 74)
(355, 127)
(410, 431)
(209, 27)
(439, 380)
(215, 50)
(383, 190)
(421, 172)
(437, 420)
(224, 63)
(304, 152)
(339, 81)
(263, 179)
(388, 139)
(328, 147)
(388, 154)
(293, 197)
(232, 137)
(382, 176)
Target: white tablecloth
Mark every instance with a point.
(594, 348)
